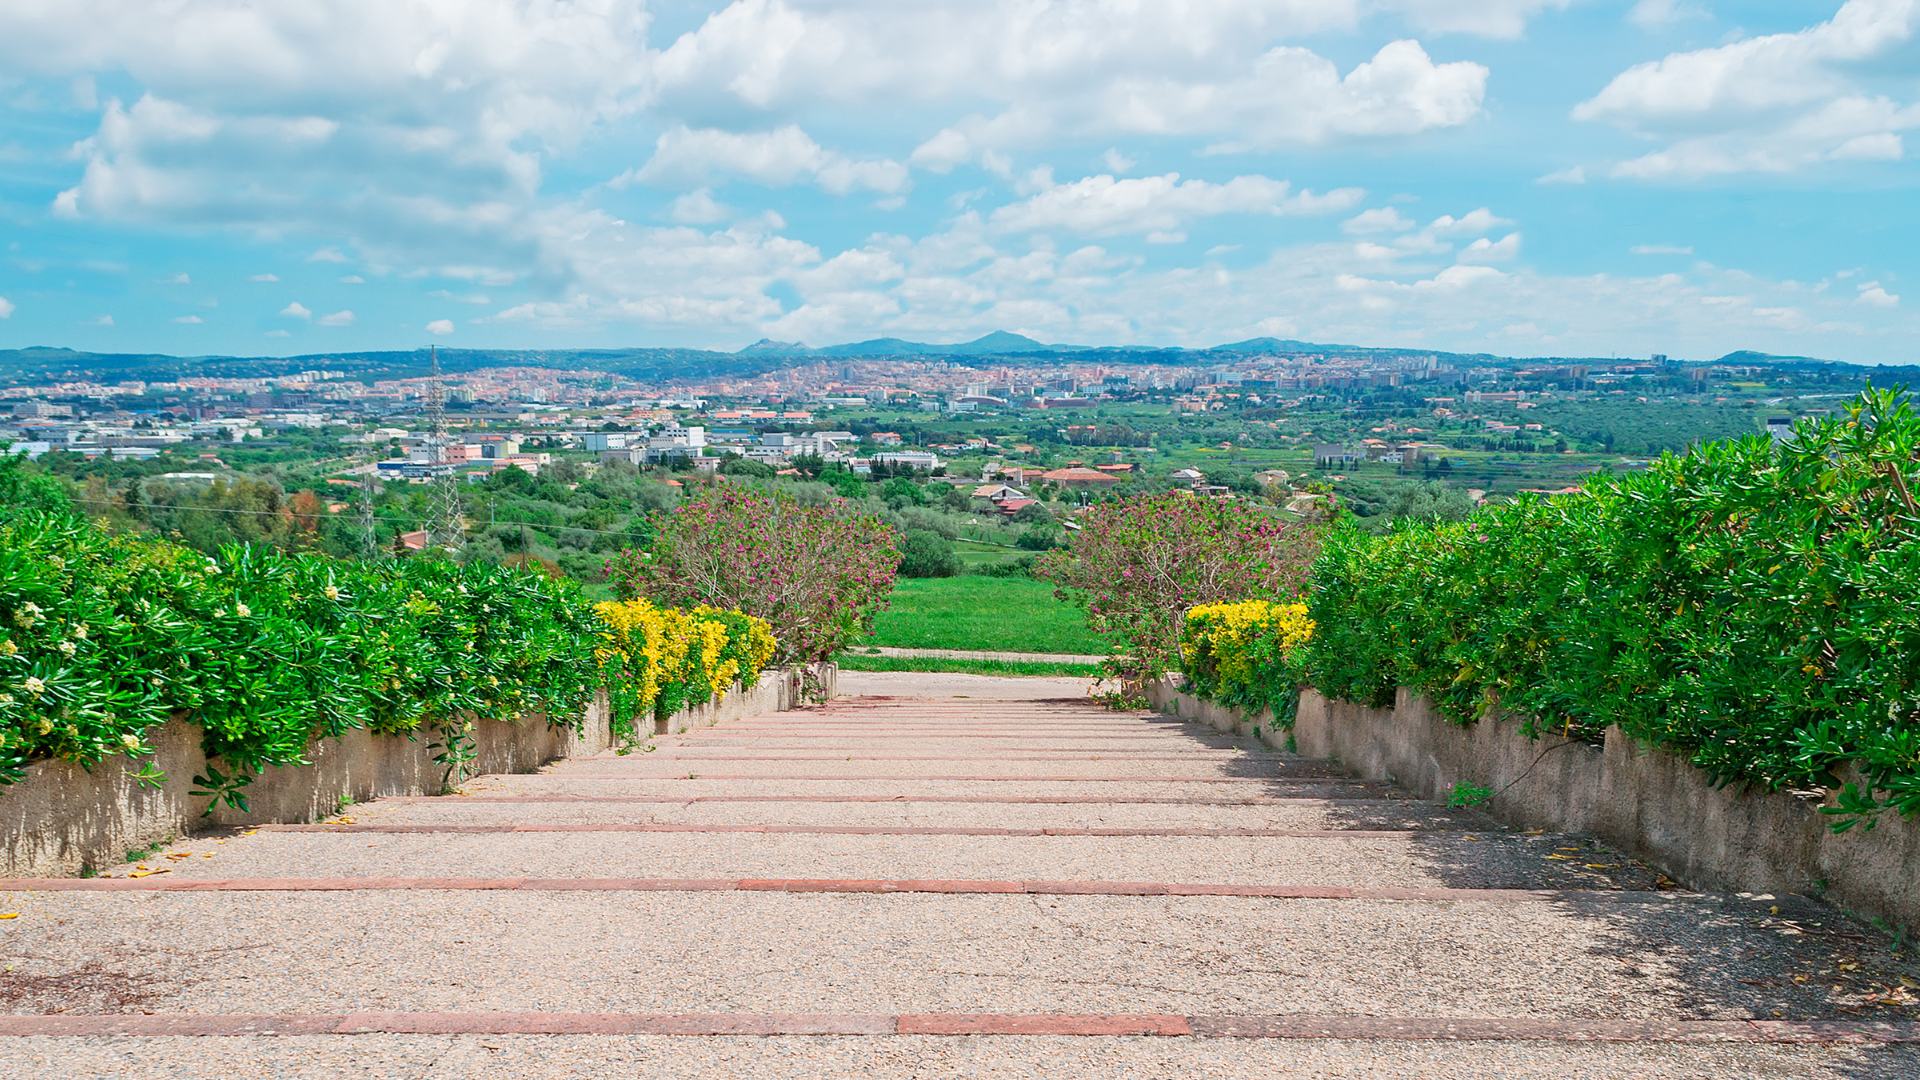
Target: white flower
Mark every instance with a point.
(213, 567)
(67, 648)
(80, 631)
(35, 686)
(242, 610)
(333, 592)
(131, 742)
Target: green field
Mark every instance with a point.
(983, 613)
(862, 662)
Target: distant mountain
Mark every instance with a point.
(998, 343)
(45, 364)
(1749, 356)
(770, 347)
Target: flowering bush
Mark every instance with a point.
(657, 661)
(814, 573)
(1748, 606)
(1247, 655)
(102, 637)
(1139, 564)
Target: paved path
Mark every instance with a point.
(939, 876)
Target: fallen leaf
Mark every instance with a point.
(9, 914)
(143, 872)
(1561, 858)
(1600, 865)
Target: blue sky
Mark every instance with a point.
(1535, 177)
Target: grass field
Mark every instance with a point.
(983, 613)
(862, 662)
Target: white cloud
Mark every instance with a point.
(1116, 162)
(1874, 295)
(1103, 205)
(264, 279)
(6, 308)
(296, 310)
(353, 279)
(1661, 249)
(181, 278)
(698, 207)
(1472, 223)
(279, 333)
(1486, 18)
(1385, 219)
(103, 320)
(1659, 14)
(1205, 68)
(1484, 250)
(188, 320)
(1573, 174)
(476, 299)
(337, 318)
(327, 255)
(1769, 104)
(440, 326)
(787, 155)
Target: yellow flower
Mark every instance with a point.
(35, 686)
(333, 592)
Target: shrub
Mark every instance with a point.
(1247, 655)
(1139, 564)
(102, 637)
(815, 573)
(1745, 605)
(657, 661)
(925, 554)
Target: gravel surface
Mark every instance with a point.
(1411, 861)
(1300, 814)
(822, 1058)
(1697, 957)
(1580, 955)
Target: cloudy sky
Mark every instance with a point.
(1589, 177)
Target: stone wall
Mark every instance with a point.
(63, 818)
(1648, 803)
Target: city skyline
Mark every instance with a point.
(1522, 177)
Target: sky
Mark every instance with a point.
(1526, 177)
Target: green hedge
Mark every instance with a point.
(103, 637)
(1753, 607)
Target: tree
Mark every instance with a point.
(927, 554)
(1138, 564)
(1033, 514)
(817, 573)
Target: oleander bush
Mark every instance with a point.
(660, 660)
(1139, 564)
(1750, 606)
(1247, 655)
(103, 637)
(816, 573)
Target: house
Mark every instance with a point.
(1079, 477)
(912, 459)
(997, 492)
(1189, 476)
(1334, 454)
(415, 541)
(1010, 507)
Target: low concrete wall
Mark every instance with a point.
(778, 690)
(63, 818)
(1648, 803)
